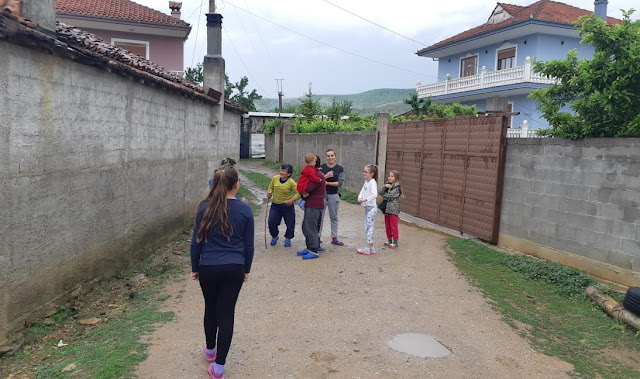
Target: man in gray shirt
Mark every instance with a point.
(332, 196)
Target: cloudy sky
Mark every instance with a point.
(315, 41)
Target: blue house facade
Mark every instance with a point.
(491, 63)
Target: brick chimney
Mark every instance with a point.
(600, 9)
(214, 65)
(41, 11)
(175, 9)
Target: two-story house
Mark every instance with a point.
(141, 30)
(492, 62)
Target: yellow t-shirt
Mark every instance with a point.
(282, 191)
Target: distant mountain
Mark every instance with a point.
(369, 102)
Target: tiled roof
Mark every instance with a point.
(84, 47)
(117, 9)
(544, 10)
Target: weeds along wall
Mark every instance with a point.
(576, 202)
(95, 169)
(354, 150)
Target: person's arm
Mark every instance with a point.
(196, 247)
(271, 186)
(248, 242)
(373, 194)
(392, 193)
(293, 191)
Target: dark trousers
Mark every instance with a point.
(220, 287)
(276, 214)
(310, 228)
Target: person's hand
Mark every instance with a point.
(388, 185)
(304, 194)
(328, 175)
(269, 195)
(360, 200)
(195, 276)
(246, 277)
(289, 202)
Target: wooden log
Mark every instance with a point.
(613, 308)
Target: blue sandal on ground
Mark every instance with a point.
(274, 241)
(287, 243)
(302, 252)
(310, 255)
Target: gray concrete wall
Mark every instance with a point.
(95, 169)
(580, 197)
(354, 151)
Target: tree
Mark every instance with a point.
(308, 107)
(419, 106)
(287, 108)
(337, 109)
(228, 87)
(194, 75)
(244, 98)
(602, 92)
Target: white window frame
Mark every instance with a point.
(513, 107)
(146, 43)
(506, 46)
(460, 68)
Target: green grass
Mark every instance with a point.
(345, 194)
(261, 180)
(111, 348)
(545, 303)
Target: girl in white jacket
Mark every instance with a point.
(367, 197)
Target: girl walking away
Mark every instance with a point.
(221, 257)
(283, 190)
(367, 198)
(391, 192)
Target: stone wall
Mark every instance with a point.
(353, 149)
(577, 197)
(95, 169)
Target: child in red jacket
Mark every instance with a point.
(307, 176)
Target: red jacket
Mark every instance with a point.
(316, 192)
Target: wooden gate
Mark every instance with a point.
(452, 171)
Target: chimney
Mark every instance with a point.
(600, 9)
(213, 65)
(41, 11)
(175, 9)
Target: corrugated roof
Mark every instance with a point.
(544, 10)
(119, 10)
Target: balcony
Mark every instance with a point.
(486, 79)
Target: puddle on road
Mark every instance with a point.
(420, 345)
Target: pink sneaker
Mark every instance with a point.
(213, 374)
(363, 251)
(209, 354)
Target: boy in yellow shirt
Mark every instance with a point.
(283, 190)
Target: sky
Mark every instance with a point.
(313, 41)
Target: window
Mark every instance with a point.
(506, 58)
(468, 66)
(140, 48)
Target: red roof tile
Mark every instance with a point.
(544, 10)
(117, 9)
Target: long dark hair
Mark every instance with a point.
(374, 169)
(216, 214)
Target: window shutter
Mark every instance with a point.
(508, 53)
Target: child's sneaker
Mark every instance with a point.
(209, 354)
(216, 371)
(310, 255)
(393, 244)
(274, 241)
(301, 204)
(364, 251)
(372, 250)
(335, 241)
(302, 252)
(389, 242)
(287, 243)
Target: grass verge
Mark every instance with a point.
(345, 194)
(123, 310)
(546, 304)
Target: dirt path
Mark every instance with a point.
(332, 317)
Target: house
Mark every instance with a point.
(492, 62)
(146, 32)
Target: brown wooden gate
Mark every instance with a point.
(452, 171)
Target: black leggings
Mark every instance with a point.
(220, 287)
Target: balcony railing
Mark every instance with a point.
(486, 79)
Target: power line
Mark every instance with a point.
(334, 47)
(242, 61)
(264, 45)
(374, 23)
(195, 44)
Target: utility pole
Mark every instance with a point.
(280, 94)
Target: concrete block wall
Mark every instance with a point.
(354, 151)
(580, 197)
(94, 169)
